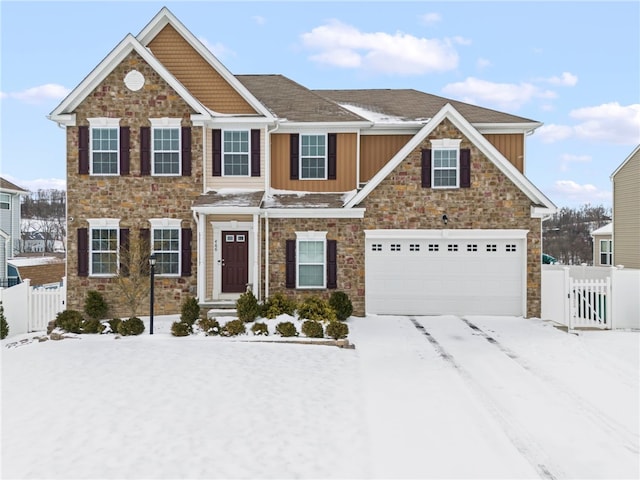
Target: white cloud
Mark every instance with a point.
(606, 123)
(566, 80)
(575, 193)
(430, 18)
(483, 63)
(218, 49)
(38, 184)
(39, 94)
(344, 46)
(259, 20)
(567, 159)
(509, 96)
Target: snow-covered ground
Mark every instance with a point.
(421, 397)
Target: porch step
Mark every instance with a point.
(223, 308)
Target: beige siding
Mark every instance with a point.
(195, 73)
(596, 249)
(511, 145)
(626, 214)
(377, 150)
(346, 166)
(217, 183)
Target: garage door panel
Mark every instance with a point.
(439, 276)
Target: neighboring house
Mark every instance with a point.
(10, 195)
(626, 211)
(42, 271)
(34, 242)
(603, 246)
(408, 202)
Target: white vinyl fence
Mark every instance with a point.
(29, 309)
(591, 297)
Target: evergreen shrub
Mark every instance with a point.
(4, 325)
(286, 329)
(260, 328)
(92, 325)
(70, 321)
(190, 311)
(131, 326)
(341, 304)
(312, 329)
(247, 307)
(337, 330)
(278, 304)
(316, 308)
(233, 328)
(180, 329)
(210, 326)
(95, 306)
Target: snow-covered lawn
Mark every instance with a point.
(421, 397)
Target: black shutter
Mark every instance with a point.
(83, 252)
(332, 140)
(332, 264)
(426, 168)
(125, 141)
(185, 254)
(291, 264)
(186, 151)
(83, 150)
(145, 250)
(124, 252)
(294, 150)
(255, 153)
(145, 150)
(216, 148)
(465, 168)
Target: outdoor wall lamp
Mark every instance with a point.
(152, 271)
(445, 219)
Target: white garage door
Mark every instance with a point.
(432, 272)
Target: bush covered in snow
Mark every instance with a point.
(278, 304)
(210, 326)
(92, 325)
(316, 308)
(180, 329)
(233, 328)
(286, 329)
(312, 329)
(114, 323)
(260, 328)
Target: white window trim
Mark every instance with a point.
(248, 151)
(168, 224)
(104, 224)
(166, 122)
(103, 122)
(326, 155)
(445, 144)
(6, 198)
(608, 252)
(311, 236)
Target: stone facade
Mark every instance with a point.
(350, 242)
(131, 198)
(492, 202)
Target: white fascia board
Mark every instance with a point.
(454, 234)
(164, 17)
(386, 129)
(231, 120)
(337, 127)
(99, 73)
(207, 210)
(497, 128)
(448, 111)
(542, 212)
(625, 162)
(315, 213)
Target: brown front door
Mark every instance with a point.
(235, 261)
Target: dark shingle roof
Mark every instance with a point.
(289, 100)
(6, 184)
(229, 199)
(304, 200)
(412, 104)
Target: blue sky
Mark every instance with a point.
(574, 66)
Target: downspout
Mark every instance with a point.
(266, 255)
(204, 155)
(267, 175)
(200, 274)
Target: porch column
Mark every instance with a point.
(256, 257)
(201, 263)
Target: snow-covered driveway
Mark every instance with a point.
(419, 397)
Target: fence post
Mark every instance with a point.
(27, 283)
(609, 307)
(567, 298)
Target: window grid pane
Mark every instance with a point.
(313, 156)
(166, 151)
(311, 264)
(445, 168)
(236, 152)
(166, 247)
(104, 251)
(104, 148)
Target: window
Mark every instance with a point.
(313, 157)
(434, 247)
(236, 152)
(5, 201)
(376, 247)
(452, 247)
(445, 163)
(606, 252)
(105, 145)
(165, 245)
(395, 247)
(103, 247)
(510, 247)
(492, 247)
(165, 146)
(311, 259)
(472, 247)
(414, 247)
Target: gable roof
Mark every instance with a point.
(543, 204)
(605, 230)
(12, 187)
(635, 152)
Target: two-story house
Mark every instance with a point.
(10, 201)
(626, 211)
(408, 202)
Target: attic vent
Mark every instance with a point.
(134, 80)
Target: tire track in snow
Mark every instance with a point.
(604, 421)
(526, 445)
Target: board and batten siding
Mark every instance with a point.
(193, 71)
(511, 145)
(346, 155)
(377, 150)
(626, 213)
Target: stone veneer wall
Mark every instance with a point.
(350, 259)
(492, 202)
(132, 198)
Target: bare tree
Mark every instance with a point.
(132, 279)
